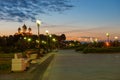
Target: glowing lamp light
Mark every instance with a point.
(37, 41)
(96, 40)
(47, 31)
(54, 40)
(43, 42)
(29, 39)
(107, 34)
(50, 35)
(38, 22)
(107, 44)
(25, 38)
(116, 37)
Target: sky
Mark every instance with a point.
(76, 19)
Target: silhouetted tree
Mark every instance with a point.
(62, 37)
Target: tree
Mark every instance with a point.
(63, 37)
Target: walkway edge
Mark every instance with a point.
(48, 70)
(39, 61)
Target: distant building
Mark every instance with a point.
(24, 31)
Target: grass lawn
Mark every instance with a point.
(5, 62)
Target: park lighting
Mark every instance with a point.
(54, 46)
(29, 39)
(38, 22)
(116, 38)
(25, 38)
(91, 39)
(54, 40)
(50, 42)
(37, 41)
(107, 44)
(43, 42)
(116, 41)
(47, 32)
(96, 40)
(50, 35)
(107, 34)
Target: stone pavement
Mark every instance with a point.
(35, 72)
(68, 65)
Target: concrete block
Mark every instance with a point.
(18, 64)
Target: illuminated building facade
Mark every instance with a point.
(24, 31)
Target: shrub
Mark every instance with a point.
(80, 48)
(102, 50)
(5, 66)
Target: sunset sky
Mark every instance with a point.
(75, 18)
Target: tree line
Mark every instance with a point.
(20, 43)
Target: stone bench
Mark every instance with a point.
(19, 63)
(31, 56)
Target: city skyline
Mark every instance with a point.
(85, 18)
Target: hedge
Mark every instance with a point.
(102, 50)
(5, 66)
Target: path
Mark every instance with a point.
(69, 65)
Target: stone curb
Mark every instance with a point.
(39, 61)
(48, 70)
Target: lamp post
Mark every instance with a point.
(107, 34)
(116, 42)
(50, 42)
(50, 36)
(116, 38)
(54, 42)
(38, 22)
(47, 32)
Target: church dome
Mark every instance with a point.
(29, 29)
(24, 26)
(19, 29)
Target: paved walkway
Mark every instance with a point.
(68, 65)
(35, 72)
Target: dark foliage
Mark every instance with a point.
(102, 50)
(20, 43)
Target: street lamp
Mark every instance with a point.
(29, 39)
(38, 22)
(54, 43)
(96, 40)
(116, 41)
(50, 35)
(50, 42)
(47, 32)
(116, 38)
(54, 40)
(25, 38)
(107, 34)
(43, 42)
